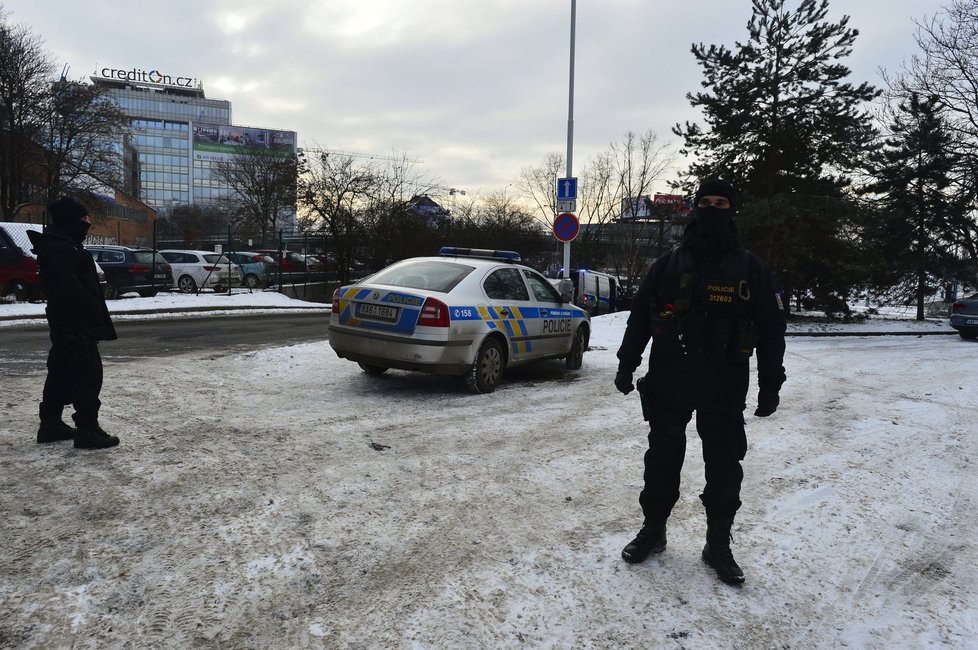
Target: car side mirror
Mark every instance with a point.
(566, 289)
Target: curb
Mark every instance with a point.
(817, 334)
(188, 310)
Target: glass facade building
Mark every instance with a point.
(177, 137)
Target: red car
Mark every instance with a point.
(293, 262)
(18, 270)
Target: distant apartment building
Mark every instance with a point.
(178, 136)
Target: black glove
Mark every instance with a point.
(767, 403)
(623, 382)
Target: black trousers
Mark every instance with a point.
(724, 446)
(74, 377)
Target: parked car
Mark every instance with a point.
(18, 233)
(18, 267)
(964, 316)
(194, 270)
(255, 267)
(467, 312)
(129, 270)
(292, 262)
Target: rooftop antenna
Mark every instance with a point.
(64, 72)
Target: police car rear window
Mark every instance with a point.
(430, 275)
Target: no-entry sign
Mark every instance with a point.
(566, 226)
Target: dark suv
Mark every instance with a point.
(132, 269)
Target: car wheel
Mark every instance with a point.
(372, 369)
(252, 281)
(20, 291)
(487, 367)
(148, 294)
(111, 290)
(186, 284)
(575, 358)
(968, 335)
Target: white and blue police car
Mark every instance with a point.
(466, 312)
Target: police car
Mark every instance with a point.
(466, 312)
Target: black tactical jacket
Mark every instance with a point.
(76, 305)
(706, 313)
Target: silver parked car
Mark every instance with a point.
(964, 316)
(467, 312)
(202, 269)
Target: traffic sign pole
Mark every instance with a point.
(570, 123)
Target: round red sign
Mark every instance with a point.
(566, 226)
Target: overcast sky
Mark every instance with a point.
(475, 91)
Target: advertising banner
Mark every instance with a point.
(216, 142)
(679, 203)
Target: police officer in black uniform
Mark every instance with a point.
(78, 320)
(706, 306)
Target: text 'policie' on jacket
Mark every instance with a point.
(75, 304)
(706, 312)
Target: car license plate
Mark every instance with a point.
(377, 312)
(160, 276)
(971, 321)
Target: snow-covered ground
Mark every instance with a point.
(283, 498)
(134, 306)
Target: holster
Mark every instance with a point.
(642, 386)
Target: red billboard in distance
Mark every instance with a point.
(678, 202)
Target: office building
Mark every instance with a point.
(178, 136)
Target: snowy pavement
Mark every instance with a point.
(13, 314)
(283, 498)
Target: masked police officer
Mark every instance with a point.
(706, 306)
(78, 320)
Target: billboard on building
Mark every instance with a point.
(635, 207)
(679, 203)
(216, 142)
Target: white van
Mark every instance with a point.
(594, 292)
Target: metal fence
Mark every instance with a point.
(297, 265)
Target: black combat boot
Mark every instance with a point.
(717, 551)
(651, 539)
(94, 438)
(53, 431)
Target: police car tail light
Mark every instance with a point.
(434, 313)
(336, 301)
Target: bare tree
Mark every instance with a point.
(637, 163)
(264, 189)
(25, 72)
(194, 223)
(947, 69)
(539, 185)
(395, 219)
(79, 140)
(334, 189)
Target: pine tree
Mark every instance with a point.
(783, 124)
(914, 176)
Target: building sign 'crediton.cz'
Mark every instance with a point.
(152, 77)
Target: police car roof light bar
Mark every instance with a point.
(452, 251)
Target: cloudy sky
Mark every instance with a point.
(474, 91)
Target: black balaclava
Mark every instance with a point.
(67, 214)
(712, 221)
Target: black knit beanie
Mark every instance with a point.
(718, 187)
(67, 214)
(65, 211)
